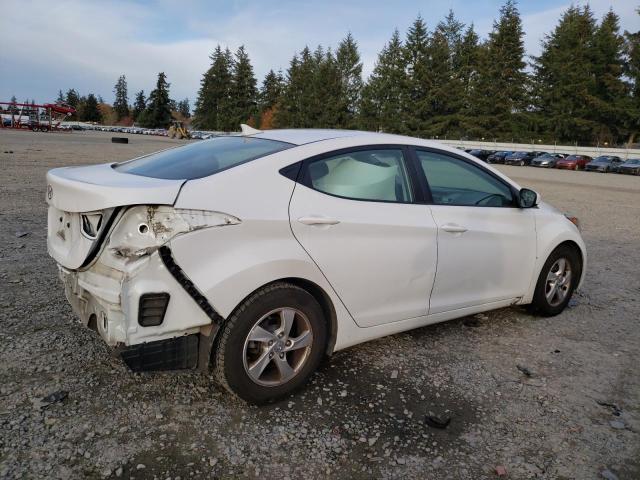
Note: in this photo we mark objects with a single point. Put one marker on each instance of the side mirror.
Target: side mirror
(527, 198)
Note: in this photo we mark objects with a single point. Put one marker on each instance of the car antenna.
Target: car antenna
(247, 130)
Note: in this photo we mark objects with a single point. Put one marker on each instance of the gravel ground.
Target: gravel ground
(577, 416)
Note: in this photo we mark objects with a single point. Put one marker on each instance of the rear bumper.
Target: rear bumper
(108, 296)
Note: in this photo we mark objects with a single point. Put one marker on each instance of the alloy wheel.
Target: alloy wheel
(558, 282)
(277, 347)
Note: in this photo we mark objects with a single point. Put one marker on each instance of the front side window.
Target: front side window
(201, 159)
(376, 175)
(455, 182)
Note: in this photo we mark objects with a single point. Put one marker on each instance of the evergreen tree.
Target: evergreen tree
(60, 98)
(243, 93)
(90, 110)
(466, 71)
(564, 84)
(13, 108)
(297, 98)
(139, 105)
(350, 69)
(184, 109)
(632, 70)
(383, 95)
(213, 106)
(612, 105)
(327, 109)
(271, 90)
(502, 82)
(449, 70)
(121, 103)
(417, 84)
(158, 111)
(73, 100)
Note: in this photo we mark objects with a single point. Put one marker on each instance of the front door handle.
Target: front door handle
(453, 228)
(313, 220)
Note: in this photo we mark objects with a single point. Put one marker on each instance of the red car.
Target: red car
(573, 162)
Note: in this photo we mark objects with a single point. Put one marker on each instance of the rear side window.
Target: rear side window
(455, 182)
(376, 175)
(201, 159)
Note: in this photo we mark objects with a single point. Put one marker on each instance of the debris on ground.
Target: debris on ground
(21, 234)
(501, 471)
(608, 474)
(617, 424)
(394, 374)
(525, 371)
(616, 410)
(54, 397)
(437, 422)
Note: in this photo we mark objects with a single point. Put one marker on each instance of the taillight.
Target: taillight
(143, 229)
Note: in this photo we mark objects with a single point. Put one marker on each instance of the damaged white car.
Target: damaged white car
(257, 255)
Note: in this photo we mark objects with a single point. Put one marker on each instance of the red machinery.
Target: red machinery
(34, 117)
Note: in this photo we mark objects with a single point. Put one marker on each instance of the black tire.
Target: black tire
(540, 304)
(228, 357)
(522, 163)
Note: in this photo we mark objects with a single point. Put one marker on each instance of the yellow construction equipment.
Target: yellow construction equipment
(178, 130)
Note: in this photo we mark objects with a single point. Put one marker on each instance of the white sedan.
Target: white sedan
(257, 255)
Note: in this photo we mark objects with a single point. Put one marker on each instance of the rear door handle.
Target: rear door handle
(453, 228)
(313, 220)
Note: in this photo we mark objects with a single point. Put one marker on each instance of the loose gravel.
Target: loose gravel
(576, 415)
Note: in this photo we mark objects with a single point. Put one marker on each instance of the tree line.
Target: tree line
(156, 111)
(432, 82)
(445, 81)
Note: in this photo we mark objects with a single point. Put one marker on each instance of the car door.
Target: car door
(486, 244)
(354, 212)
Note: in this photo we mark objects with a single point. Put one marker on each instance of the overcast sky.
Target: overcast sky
(51, 45)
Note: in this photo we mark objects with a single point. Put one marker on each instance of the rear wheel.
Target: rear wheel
(557, 281)
(522, 163)
(271, 344)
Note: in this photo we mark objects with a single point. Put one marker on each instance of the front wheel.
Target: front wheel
(557, 281)
(271, 344)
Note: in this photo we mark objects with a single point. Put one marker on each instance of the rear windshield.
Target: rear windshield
(201, 159)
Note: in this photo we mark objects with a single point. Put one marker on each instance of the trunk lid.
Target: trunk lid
(83, 203)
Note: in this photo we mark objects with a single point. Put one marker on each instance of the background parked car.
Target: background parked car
(481, 154)
(520, 158)
(604, 164)
(573, 162)
(630, 167)
(498, 157)
(547, 160)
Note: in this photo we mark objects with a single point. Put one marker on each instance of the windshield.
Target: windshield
(546, 156)
(519, 154)
(633, 161)
(201, 159)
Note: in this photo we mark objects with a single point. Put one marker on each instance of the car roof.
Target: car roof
(301, 136)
